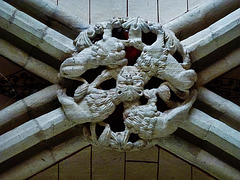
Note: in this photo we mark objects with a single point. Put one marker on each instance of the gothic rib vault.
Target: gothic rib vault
(217, 132)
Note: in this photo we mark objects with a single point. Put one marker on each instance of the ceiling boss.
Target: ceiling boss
(153, 84)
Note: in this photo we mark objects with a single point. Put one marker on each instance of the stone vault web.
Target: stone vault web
(219, 32)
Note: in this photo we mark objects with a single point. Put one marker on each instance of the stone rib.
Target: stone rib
(54, 12)
(52, 42)
(201, 17)
(29, 103)
(33, 132)
(38, 130)
(44, 159)
(214, 131)
(220, 67)
(213, 37)
(227, 109)
(35, 32)
(200, 158)
(27, 62)
(53, 123)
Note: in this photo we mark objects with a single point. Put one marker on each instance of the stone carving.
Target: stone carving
(151, 109)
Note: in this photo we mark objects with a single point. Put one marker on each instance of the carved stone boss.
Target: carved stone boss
(153, 90)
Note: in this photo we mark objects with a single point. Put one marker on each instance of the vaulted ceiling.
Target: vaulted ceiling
(38, 35)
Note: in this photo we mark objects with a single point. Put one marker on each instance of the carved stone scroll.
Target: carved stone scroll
(141, 89)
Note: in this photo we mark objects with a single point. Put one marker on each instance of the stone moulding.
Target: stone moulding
(152, 91)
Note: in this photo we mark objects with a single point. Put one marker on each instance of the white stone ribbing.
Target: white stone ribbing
(220, 67)
(35, 32)
(218, 103)
(33, 132)
(44, 159)
(213, 37)
(23, 140)
(200, 158)
(26, 104)
(201, 16)
(214, 131)
(27, 62)
(60, 46)
(53, 123)
(55, 12)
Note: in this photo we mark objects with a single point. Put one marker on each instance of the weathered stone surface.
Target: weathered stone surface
(196, 124)
(12, 142)
(77, 17)
(56, 44)
(13, 53)
(224, 171)
(213, 131)
(220, 67)
(103, 167)
(63, 16)
(34, 32)
(204, 154)
(220, 104)
(44, 159)
(77, 166)
(60, 12)
(199, 158)
(141, 170)
(155, 59)
(19, 108)
(32, 132)
(201, 17)
(147, 9)
(107, 9)
(27, 104)
(150, 155)
(171, 167)
(167, 14)
(53, 123)
(213, 37)
(197, 174)
(43, 70)
(51, 173)
(195, 3)
(29, 63)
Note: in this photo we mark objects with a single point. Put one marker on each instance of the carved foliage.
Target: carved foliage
(155, 92)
